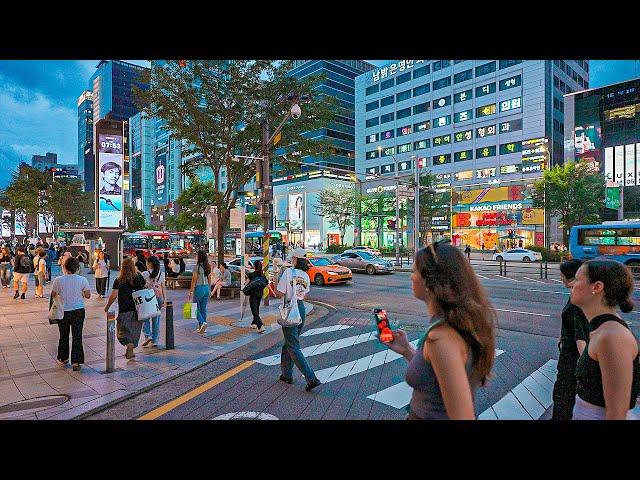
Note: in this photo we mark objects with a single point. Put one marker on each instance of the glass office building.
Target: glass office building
(85, 136)
(602, 127)
(339, 83)
(485, 128)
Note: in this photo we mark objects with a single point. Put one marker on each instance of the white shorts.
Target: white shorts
(21, 277)
(587, 411)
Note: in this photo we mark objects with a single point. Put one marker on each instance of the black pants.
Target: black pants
(254, 303)
(73, 320)
(101, 285)
(564, 390)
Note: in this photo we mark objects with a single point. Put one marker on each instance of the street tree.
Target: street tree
(218, 108)
(193, 201)
(135, 220)
(27, 192)
(338, 207)
(432, 203)
(68, 204)
(573, 192)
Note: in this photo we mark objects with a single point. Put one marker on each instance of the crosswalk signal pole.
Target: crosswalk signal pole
(265, 200)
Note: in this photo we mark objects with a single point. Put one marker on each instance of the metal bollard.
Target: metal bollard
(540, 269)
(169, 341)
(111, 342)
(546, 269)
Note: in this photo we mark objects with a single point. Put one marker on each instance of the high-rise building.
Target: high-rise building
(44, 162)
(142, 160)
(339, 82)
(112, 96)
(485, 128)
(85, 137)
(602, 126)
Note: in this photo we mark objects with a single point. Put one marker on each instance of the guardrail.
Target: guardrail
(506, 269)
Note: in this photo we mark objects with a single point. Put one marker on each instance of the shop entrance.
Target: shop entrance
(297, 238)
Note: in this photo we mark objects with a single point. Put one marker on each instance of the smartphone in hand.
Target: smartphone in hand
(382, 323)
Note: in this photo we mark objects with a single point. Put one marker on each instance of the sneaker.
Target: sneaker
(62, 362)
(254, 326)
(286, 379)
(76, 367)
(197, 330)
(312, 384)
(261, 329)
(129, 353)
(22, 297)
(203, 327)
(147, 343)
(153, 344)
(16, 295)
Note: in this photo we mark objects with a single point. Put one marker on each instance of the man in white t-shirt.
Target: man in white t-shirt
(297, 280)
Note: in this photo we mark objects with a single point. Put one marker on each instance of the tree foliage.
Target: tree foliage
(135, 220)
(34, 192)
(573, 192)
(193, 201)
(218, 108)
(338, 207)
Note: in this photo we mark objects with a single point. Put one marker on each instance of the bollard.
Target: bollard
(505, 268)
(501, 268)
(546, 269)
(540, 269)
(111, 342)
(169, 341)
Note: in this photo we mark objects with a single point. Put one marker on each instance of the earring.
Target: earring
(593, 293)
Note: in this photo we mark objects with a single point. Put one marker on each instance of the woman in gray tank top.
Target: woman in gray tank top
(456, 353)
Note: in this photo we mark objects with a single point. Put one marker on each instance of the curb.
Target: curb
(131, 395)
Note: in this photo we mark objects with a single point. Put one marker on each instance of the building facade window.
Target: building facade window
(442, 83)
(403, 96)
(404, 113)
(487, 89)
(486, 152)
(372, 122)
(386, 101)
(423, 107)
(442, 159)
(405, 77)
(462, 116)
(485, 69)
(511, 147)
(388, 117)
(372, 106)
(463, 96)
(511, 82)
(406, 130)
(422, 126)
(463, 155)
(373, 89)
(421, 72)
(463, 76)
(442, 121)
(463, 136)
(442, 102)
(508, 63)
(387, 84)
(422, 89)
(422, 144)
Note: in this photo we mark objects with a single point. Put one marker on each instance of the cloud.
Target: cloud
(34, 124)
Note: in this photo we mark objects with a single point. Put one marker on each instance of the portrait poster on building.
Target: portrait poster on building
(296, 211)
(110, 173)
(6, 223)
(45, 223)
(20, 223)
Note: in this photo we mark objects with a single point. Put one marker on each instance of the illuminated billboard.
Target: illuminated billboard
(161, 179)
(20, 223)
(296, 211)
(110, 173)
(45, 223)
(6, 223)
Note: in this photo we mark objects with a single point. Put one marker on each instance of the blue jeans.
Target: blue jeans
(201, 297)
(151, 326)
(291, 352)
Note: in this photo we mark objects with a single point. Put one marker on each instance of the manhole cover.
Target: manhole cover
(32, 405)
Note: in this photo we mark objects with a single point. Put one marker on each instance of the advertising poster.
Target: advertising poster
(296, 211)
(45, 223)
(110, 159)
(161, 179)
(20, 223)
(6, 223)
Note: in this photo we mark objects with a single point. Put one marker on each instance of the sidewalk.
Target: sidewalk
(34, 386)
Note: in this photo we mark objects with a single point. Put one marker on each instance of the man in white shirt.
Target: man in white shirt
(295, 281)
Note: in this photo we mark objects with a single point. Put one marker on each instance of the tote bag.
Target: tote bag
(289, 313)
(56, 311)
(146, 303)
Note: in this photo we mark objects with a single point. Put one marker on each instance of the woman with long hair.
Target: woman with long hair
(254, 289)
(101, 273)
(200, 288)
(456, 353)
(608, 370)
(128, 327)
(154, 279)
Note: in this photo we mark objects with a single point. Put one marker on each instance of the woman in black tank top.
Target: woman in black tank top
(608, 371)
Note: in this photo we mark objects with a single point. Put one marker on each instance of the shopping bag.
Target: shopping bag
(146, 303)
(194, 310)
(289, 313)
(186, 310)
(56, 311)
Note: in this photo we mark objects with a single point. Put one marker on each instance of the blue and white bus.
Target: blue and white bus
(614, 240)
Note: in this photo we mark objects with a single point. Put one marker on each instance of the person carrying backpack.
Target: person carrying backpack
(21, 271)
(154, 279)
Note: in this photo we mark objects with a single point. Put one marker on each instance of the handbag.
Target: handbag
(289, 313)
(56, 310)
(190, 310)
(146, 303)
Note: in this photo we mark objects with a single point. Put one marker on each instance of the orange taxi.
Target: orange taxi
(323, 272)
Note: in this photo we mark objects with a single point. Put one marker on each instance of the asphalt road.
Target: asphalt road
(361, 378)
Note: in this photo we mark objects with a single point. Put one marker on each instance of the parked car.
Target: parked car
(179, 252)
(364, 248)
(518, 255)
(234, 265)
(322, 271)
(363, 261)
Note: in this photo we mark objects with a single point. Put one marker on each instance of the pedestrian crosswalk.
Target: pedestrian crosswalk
(528, 400)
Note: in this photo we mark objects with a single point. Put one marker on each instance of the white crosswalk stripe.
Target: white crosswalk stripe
(323, 347)
(318, 331)
(399, 395)
(529, 399)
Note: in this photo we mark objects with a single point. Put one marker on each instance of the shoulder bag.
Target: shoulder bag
(289, 314)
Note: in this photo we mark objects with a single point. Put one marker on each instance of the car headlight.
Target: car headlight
(333, 273)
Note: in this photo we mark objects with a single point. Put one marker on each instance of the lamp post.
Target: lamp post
(416, 209)
(263, 175)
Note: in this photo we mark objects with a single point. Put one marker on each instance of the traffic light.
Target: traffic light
(391, 224)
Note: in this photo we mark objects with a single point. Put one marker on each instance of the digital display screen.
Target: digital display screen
(296, 211)
(110, 174)
(161, 181)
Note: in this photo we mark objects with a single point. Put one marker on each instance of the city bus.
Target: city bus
(612, 240)
(149, 242)
(189, 240)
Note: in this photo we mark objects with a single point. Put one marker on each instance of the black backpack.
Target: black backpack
(26, 264)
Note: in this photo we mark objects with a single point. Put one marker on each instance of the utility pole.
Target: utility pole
(263, 181)
(416, 216)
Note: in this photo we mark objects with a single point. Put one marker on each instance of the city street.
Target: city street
(362, 378)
